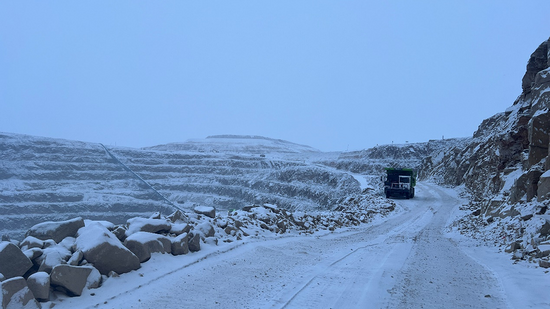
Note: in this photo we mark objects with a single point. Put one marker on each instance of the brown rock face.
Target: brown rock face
(537, 62)
(539, 128)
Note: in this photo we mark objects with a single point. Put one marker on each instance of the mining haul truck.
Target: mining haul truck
(399, 182)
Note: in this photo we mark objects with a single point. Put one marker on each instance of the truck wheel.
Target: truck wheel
(387, 195)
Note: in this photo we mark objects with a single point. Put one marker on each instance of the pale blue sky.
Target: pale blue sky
(334, 75)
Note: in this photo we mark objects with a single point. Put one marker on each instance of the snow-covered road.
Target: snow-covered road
(405, 261)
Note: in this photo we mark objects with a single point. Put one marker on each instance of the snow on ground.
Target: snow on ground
(406, 260)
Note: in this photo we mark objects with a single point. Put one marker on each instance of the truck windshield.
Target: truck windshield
(404, 179)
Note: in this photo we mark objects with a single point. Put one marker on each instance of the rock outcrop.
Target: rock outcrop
(508, 154)
(505, 167)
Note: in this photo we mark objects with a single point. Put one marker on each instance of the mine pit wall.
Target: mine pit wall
(507, 159)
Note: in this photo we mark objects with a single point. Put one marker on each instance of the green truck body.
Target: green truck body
(400, 182)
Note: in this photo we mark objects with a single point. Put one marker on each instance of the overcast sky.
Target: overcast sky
(334, 75)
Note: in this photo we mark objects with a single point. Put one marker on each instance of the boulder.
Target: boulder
(53, 256)
(194, 242)
(13, 262)
(74, 279)
(76, 258)
(49, 243)
(205, 229)
(180, 244)
(147, 225)
(180, 228)
(120, 233)
(31, 242)
(544, 230)
(142, 244)
(14, 293)
(176, 216)
(101, 248)
(39, 284)
(513, 247)
(543, 188)
(56, 230)
(33, 253)
(205, 210)
(544, 249)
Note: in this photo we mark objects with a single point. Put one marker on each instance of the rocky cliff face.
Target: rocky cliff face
(372, 161)
(505, 167)
(508, 154)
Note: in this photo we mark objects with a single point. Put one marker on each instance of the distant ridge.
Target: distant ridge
(228, 143)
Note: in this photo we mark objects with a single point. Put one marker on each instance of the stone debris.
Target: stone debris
(83, 258)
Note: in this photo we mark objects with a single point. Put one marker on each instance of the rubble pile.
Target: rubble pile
(73, 255)
(525, 235)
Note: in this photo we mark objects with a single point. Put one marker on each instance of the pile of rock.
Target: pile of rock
(73, 255)
(526, 236)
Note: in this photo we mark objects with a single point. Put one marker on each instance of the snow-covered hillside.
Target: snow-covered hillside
(53, 179)
(244, 144)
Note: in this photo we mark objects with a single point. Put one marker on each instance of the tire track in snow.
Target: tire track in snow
(362, 271)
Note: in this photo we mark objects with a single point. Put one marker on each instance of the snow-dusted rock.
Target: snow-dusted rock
(176, 216)
(142, 244)
(208, 211)
(120, 233)
(76, 258)
(33, 253)
(545, 228)
(194, 242)
(180, 228)
(13, 262)
(74, 278)
(147, 225)
(56, 230)
(31, 242)
(53, 256)
(180, 244)
(39, 284)
(544, 249)
(104, 250)
(543, 191)
(14, 293)
(49, 243)
(205, 229)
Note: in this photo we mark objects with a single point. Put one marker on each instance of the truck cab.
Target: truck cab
(399, 182)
